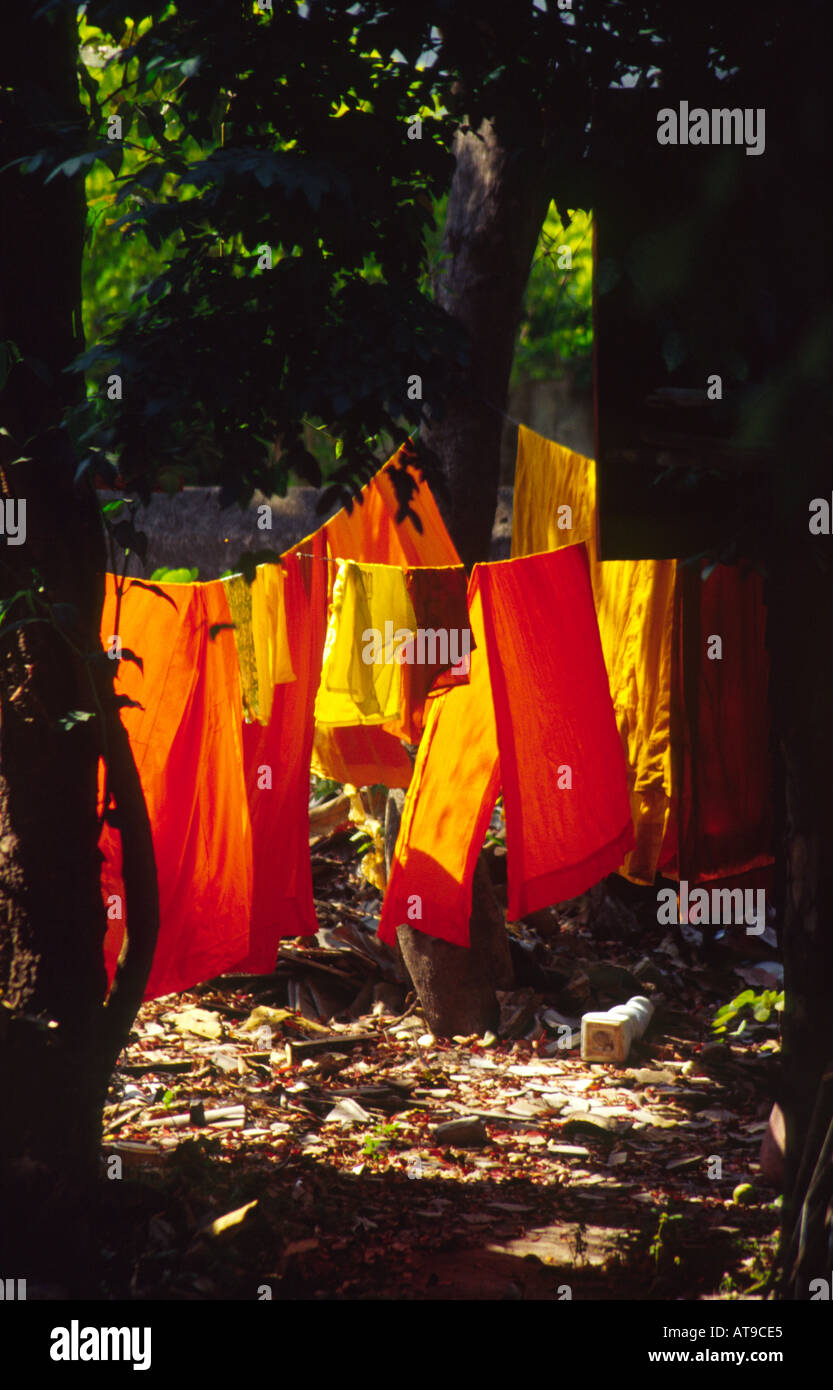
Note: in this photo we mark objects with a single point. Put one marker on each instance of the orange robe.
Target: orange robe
(536, 718)
(724, 764)
(186, 741)
(277, 766)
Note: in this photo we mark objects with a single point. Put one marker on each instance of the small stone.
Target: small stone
(596, 1126)
(466, 1133)
(426, 1040)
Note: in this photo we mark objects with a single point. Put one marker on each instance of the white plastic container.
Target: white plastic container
(607, 1037)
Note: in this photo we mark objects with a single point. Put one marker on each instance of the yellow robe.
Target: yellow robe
(361, 681)
(258, 611)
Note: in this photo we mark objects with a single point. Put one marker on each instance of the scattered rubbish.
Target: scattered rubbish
(348, 1112)
(160, 1064)
(236, 1114)
(677, 1165)
(607, 1037)
(226, 1058)
(198, 1021)
(331, 1042)
(227, 1222)
(385, 1101)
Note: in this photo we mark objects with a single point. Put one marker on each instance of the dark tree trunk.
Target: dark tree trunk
(802, 664)
(456, 985)
(497, 205)
(496, 208)
(57, 1041)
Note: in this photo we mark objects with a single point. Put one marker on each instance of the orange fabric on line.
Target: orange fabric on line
(725, 768)
(371, 534)
(555, 506)
(187, 745)
(538, 692)
(440, 604)
(554, 714)
(277, 764)
(361, 756)
(453, 790)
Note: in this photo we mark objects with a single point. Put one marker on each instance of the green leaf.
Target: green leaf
(9, 354)
(746, 997)
(6, 603)
(178, 575)
(75, 716)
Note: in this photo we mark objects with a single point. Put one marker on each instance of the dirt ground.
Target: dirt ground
(275, 1136)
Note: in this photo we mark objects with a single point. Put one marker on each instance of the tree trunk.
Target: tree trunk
(802, 665)
(498, 201)
(456, 984)
(57, 1041)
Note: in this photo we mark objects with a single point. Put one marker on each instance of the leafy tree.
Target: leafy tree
(556, 327)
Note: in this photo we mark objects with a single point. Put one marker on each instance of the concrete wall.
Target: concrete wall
(191, 529)
(558, 410)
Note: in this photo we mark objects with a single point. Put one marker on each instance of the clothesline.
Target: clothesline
(224, 793)
(505, 413)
